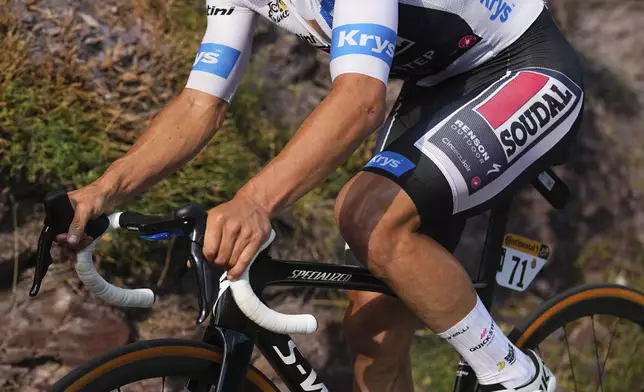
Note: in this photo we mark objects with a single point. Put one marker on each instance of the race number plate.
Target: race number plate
(521, 261)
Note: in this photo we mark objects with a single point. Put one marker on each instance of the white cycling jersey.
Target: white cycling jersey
(427, 39)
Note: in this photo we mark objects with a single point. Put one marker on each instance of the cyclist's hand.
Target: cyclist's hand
(234, 233)
(89, 203)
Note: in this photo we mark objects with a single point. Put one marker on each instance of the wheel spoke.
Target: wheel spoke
(572, 368)
(610, 345)
(599, 370)
(630, 359)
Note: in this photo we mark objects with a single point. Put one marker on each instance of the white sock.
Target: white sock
(494, 359)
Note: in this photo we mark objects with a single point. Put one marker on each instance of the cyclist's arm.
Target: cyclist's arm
(354, 108)
(184, 127)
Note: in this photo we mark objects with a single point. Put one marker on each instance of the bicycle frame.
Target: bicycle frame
(237, 335)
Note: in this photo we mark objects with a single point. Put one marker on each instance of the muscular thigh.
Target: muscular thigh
(460, 147)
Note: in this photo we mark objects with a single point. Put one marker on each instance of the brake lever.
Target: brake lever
(59, 214)
(202, 270)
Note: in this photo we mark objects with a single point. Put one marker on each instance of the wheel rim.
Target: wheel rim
(591, 338)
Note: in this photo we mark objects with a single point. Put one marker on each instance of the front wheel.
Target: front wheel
(162, 365)
(590, 337)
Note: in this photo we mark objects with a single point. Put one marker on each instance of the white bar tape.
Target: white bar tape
(261, 314)
(94, 282)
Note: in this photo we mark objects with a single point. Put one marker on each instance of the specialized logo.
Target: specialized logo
(308, 384)
(496, 168)
(525, 108)
(214, 11)
(487, 338)
(499, 8)
(392, 162)
(364, 38)
(277, 11)
(318, 275)
(216, 59)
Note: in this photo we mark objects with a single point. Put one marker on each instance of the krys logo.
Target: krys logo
(499, 8)
(216, 59)
(364, 38)
(392, 162)
(527, 107)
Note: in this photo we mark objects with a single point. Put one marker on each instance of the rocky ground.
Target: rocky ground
(598, 237)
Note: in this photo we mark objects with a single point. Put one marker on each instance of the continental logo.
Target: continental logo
(534, 248)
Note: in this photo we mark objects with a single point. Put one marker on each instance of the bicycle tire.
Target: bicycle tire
(155, 359)
(578, 302)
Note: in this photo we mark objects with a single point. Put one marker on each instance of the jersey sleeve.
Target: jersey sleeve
(224, 51)
(364, 37)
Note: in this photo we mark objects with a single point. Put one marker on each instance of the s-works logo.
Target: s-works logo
(216, 59)
(364, 38)
(499, 8)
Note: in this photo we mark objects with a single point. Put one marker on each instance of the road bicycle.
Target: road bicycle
(240, 320)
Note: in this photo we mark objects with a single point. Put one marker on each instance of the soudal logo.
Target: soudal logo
(213, 11)
(525, 107)
(364, 38)
(499, 9)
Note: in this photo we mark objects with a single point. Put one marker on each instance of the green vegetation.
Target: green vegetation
(58, 129)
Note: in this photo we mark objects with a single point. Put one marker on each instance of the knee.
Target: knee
(375, 218)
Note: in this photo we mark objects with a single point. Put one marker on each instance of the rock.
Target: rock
(61, 327)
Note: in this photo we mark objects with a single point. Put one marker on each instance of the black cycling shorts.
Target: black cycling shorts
(460, 146)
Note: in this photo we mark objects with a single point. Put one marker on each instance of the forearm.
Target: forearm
(326, 139)
(175, 136)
